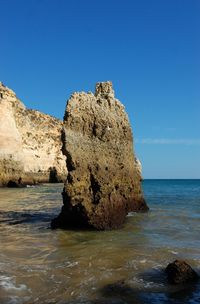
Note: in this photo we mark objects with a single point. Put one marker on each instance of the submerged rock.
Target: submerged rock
(30, 144)
(180, 272)
(103, 182)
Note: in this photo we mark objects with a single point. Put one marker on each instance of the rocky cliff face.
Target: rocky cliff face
(30, 143)
(104, 181)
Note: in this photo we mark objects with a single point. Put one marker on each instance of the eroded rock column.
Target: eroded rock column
(102, 184)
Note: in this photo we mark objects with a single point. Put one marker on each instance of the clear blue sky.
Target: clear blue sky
(150, 49)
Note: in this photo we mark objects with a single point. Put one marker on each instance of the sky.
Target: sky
(149, 49)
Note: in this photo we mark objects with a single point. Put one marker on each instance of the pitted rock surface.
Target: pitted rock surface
(103, 182)
(30, 143)
(179, 272)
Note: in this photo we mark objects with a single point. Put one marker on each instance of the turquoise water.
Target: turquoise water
(38, 265)
(175, 206)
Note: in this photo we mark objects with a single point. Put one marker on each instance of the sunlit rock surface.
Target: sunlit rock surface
(104, 181)
(30, 143)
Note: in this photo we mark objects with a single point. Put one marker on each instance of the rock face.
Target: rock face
(103, 182)
(138, 168)
(180, 272)
(30, 143)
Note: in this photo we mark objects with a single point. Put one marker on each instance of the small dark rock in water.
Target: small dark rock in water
(180, 272)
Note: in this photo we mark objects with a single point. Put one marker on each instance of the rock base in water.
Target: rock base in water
(180, 272)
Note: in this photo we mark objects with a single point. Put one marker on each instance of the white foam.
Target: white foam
(174, 252)
(143, 261)
(72, 264)
(131, 214)
(8, 284)
(17, 300)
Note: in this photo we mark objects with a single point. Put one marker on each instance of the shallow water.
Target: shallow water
(38, 265)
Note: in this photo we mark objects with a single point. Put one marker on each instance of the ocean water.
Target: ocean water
(38, 265)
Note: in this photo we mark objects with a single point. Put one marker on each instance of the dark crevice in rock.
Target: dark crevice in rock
(15, 184)
(94, 129)
(69, 162)
(69, 178)
(53, 175)
(62, 136)
(71, 217)
(12, 184)
(95, 188)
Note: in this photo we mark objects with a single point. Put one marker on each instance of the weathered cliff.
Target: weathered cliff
(30, 143)
(104, 181)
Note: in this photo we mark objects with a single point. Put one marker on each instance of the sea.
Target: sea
(126, 266)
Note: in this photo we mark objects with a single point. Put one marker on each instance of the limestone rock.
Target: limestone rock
(103, 184)
(30, 143)
(180, 272)
(138, 168)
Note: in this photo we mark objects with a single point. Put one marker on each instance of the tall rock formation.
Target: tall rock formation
(103, 182)
(30, 143)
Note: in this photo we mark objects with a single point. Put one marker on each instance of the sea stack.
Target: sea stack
(103, 181)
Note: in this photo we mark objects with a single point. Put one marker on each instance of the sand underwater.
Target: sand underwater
(40, 265)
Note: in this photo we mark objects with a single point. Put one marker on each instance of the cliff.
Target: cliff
(104, 178)
(30, 143)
